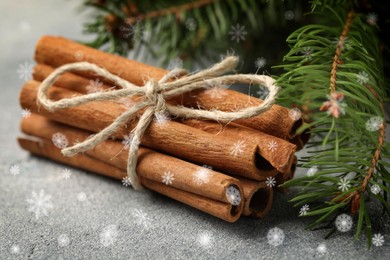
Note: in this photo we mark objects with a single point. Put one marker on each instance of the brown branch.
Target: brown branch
(172, 10)
(339, 48)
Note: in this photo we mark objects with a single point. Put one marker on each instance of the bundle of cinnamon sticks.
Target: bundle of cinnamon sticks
(226, 170)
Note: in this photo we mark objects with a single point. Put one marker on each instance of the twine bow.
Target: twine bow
(155, 93)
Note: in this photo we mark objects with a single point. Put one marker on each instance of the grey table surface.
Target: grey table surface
(93, 217)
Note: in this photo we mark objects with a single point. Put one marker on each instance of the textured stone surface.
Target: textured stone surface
(93, 217)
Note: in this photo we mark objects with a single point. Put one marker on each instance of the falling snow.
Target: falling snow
(289, 15)
(63, 240)
(303, 211)
(321, 249)
(142, 218)
(168, 178)
(126, 181)
(26, 113)
(344, 184)
(237, 32)
(378, 240)
(216, 92)
(202, 176)
(25, 71)
(307, 52)
(260, 62)
(176, 63)
(343, 222)
(374, 123)
(362, 77)
(237, 148)
(263, 92)
(295, 113)
(205, 240)
(375, 189)
(275, 236)
(14, 170)
(233, 195)
(60, 140)
(65, 174)
(272, 146)
(81, 196)
(161, 118)
(40, 203)
(108, 235)
(270, 182)
(191, 24)
(313, 170)
(94, 86)
(335, 105)
(127, 141)
(372, 19)
(15, 249)
(79, 55)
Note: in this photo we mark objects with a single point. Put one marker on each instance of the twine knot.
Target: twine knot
(174, 83)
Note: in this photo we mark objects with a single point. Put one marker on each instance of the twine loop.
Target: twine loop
(155, 94)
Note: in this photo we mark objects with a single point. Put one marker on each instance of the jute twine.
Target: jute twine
(155, 93)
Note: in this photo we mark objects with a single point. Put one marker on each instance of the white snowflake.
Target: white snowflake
(128, 142)
(345, 44)
(63, 240)
(126, 181)
(26, 113)
(15, 249)
(25, 71)
(275, 236)
(176, 63)
(237, 148)
(94, 86)
(79, 55)
(132, 29)
(303, 211)
(263, 92)
(313, 170)
(238, 33)
(295, 113)
(375, 189)
(191, 24)
(142, 218)
(344, 184)
(378, 240)
(127, 102)
(321, 249)
(372, 19)
(81, 196)
(202, 176)
(374, 123)
(205, 239)
(60, 140)
(233, 195)
(65, 174)
(217, 92)
(40, 203)
(260, 62)
(307, 52)
(108, 235)
(289, 15)
(24, 26)
(343, 222)
(14, 170)
(168, 178)
(161, 118)
(272, 146)
(362, 77)
(271, 182)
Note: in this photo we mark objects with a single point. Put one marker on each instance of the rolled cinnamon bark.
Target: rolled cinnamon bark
(258, 198)
(274, 152)
(57, 51)
(151, 165)
(172, 137)
(218, 209)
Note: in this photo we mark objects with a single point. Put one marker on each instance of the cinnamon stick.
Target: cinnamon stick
(57, 51)
(151, 165)
(275, 152)
(173, 138)
(218, 209)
